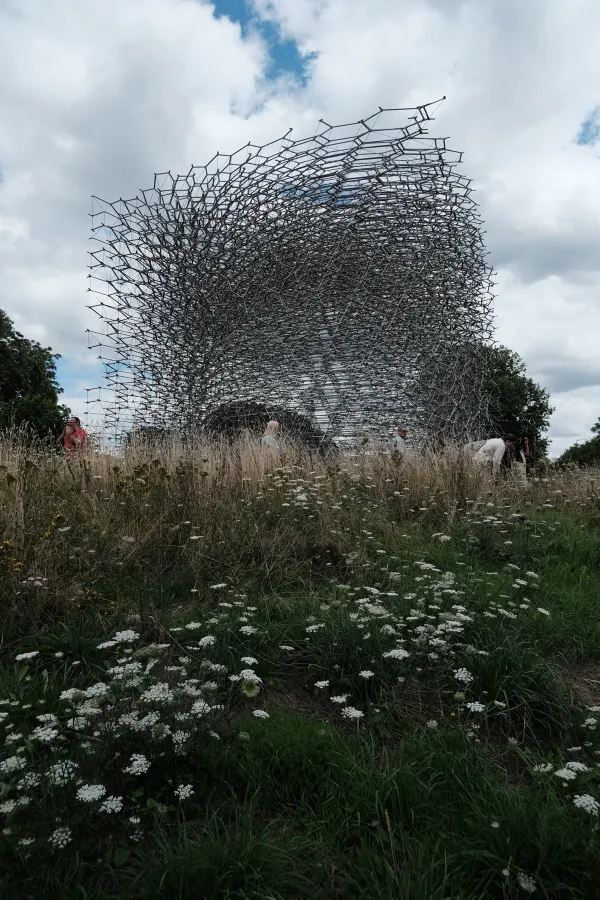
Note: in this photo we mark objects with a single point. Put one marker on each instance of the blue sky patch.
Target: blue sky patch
(285, 56)
(589, 132)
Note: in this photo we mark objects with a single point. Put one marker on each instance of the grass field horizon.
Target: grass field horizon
(226, 675)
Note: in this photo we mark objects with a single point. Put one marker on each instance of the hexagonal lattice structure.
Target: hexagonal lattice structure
(342, 276)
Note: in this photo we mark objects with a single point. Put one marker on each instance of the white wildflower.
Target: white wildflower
(30, 655)
(463, 675)
(396, 653)
(544, 768)
(90, 792)
(184, 791)
(112, 804)
(340, 698)
(249, 661)
(526, 883)
(157, 693)
(565, 774)
(366, 673)
(125, 637)
(577, 767)
(8, 806)
(209, 640)
(138, 764)
(201, 708)
(260, 714)
(587, 803)
(475, 706)
(322, 684)
(217, 587)
(349, 712)
(60, 838)
(12, 764)
(248, 629)
(544, 612)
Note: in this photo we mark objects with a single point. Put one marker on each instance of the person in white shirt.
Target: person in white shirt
(399, 442)
(269, 438)
(491, 451)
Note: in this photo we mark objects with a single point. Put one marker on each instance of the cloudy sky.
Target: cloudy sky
(97, 95)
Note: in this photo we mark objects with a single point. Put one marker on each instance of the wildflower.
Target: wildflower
(207, 641)
(260, 714)
(587, 803)
(312, 628)
(62, 772)
(590, 722)
(495, 824)
(543, 768)
(565, 774)
(349, 712)
(248, 629)
(184, 791)
(396, 653)
(544, 612)
(106, 645)
(285, 647)
(249, 661)
(526, 883)
(340, 698)
(577, 767)
(475, 707)
(60, 838)
(322, 684)
(44, 734)
(463, 675)
(125, 637)
(90, 792)
(157, 693)
(217, 587)
(26, 842)
(432, 724)
(366, 673)
(12, 764)
(30, 780)
(138, 764)
(112, 805)
(8, 806)
(201, 708)
(30, 655)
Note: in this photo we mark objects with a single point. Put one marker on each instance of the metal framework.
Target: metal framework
(342, 276)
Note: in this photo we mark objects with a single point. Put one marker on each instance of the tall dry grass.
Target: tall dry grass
(195, 512)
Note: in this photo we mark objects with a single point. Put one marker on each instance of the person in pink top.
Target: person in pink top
(74, 436)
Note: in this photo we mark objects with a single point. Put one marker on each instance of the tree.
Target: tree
(584, 454)
(28, 387)
(517, 403)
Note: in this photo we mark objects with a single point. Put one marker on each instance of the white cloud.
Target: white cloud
(97, 96)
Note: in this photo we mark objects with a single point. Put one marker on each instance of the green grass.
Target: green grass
(425, 782)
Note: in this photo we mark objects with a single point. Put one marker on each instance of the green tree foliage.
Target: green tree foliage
(28, 387)
(517, 403)
(585, 454)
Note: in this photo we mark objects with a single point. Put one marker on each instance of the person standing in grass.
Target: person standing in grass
(73, 437)
(490, 453)
(269, 438)
(399, 448)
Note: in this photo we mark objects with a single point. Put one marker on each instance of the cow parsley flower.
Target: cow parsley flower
(90, 792)
(587, 803)
(209, 640)
(543, 768)
(322, 684)
(349, 712)
(366, 673)
(260, 714)
(125, 637)
(184, 791)
(396, 653)
(526, 883)
(112, 805)
(8, 806)
(475, 706)
(138, 764)
(201, 708)
(60, 838)
(339, 698)
(22, 656)
(62, 772)
(44, 733)
(577, 767)
(12, 764)
(463, 675)
(248, 629)
(157, 693)
(565, 774)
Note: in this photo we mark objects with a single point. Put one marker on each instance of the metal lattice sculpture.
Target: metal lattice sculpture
(342, 276)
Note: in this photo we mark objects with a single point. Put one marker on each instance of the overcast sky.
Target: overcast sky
(97, 95)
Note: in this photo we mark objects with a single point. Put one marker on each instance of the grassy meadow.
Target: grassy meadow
(224, 675)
